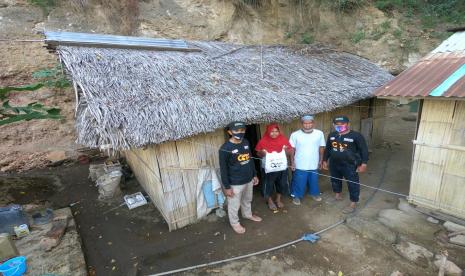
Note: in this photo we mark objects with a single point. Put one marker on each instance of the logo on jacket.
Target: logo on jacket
(243, 157)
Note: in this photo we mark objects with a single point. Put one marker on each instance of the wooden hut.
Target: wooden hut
(438, 81)
(166, 108)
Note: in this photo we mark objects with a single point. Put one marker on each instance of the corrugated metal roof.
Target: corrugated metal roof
(114, 41)
(440, 73)
(455, 43)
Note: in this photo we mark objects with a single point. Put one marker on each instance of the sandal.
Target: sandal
(255, 218)
(280, 204)
(272, 206)
(238, 228)
(348, 210)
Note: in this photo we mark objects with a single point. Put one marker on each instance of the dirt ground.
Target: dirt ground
(137, 242)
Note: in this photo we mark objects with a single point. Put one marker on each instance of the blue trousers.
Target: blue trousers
(301, 179)
(347, 171)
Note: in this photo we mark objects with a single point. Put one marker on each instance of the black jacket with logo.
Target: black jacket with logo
(349, 148)
(236, 164)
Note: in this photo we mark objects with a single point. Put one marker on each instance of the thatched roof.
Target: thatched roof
(131, 98)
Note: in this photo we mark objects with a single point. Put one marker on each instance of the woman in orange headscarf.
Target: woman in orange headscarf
(274, 141)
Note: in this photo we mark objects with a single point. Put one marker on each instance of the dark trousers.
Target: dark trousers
(348, 171)
(275, 182)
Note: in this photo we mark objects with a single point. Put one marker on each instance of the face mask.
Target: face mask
(340, 129)
(238, 136)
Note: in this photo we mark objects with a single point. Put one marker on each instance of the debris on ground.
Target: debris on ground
(447, 267)
(397, 273)
(65, 258)
(53, 237)
(414, 253)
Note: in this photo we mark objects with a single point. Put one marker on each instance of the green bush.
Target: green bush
(307, 38)
(358, 36)
(430, 11)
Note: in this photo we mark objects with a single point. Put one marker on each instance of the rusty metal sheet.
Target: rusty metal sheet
(420, 79)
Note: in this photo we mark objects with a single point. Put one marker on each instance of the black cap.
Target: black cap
(236, 125)
(341, 119)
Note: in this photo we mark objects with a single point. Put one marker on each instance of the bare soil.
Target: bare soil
(118, 241)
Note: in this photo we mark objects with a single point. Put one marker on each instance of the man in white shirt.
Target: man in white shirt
(309, 145)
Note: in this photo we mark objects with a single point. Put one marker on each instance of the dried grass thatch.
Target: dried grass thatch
(131, 98)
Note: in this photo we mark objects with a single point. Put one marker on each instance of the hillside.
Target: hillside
(391, 33)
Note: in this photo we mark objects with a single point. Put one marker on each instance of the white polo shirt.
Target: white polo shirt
(307, 148)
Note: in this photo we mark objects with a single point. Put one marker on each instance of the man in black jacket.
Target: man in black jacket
(238, 175)
(347, 153)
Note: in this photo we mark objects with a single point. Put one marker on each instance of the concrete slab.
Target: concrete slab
(65, 259)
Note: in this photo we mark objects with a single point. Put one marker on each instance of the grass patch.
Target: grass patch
(307, 38)
(358, 36)
(397, 33)
(45, 5)
(346, 6)
(380, 30)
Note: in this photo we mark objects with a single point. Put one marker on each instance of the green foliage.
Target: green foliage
(51, 78)
(430, 11)
(33, 111)
(397, 33)
(346, 5)
(307, 38)
(45, 5)
(382, 29)
(358, 36)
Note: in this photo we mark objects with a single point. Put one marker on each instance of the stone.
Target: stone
(56, 156)
(53, 237)
(453, 227)
(460, 240)
(372, 229)
(413, 226)
(432, 220)
(397, 273)
(405, 207)
(450, 268)
(414, 253)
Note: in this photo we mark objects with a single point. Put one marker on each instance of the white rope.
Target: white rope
(247, 255)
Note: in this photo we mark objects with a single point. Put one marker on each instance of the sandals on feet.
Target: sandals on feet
(272, 206)
(255, 218)
(238, 228)
(348, 210)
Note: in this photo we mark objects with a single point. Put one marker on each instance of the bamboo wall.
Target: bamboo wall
(438, 171)
(169, 172)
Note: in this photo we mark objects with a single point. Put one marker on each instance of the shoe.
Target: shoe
(255, 218)
(238, 228)
(317, 198)
(296, 201)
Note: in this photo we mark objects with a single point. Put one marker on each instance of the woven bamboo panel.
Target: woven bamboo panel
(438, 175)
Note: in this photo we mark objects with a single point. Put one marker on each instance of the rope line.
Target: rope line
(247, 255)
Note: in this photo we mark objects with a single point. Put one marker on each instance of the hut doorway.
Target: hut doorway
(252, 135)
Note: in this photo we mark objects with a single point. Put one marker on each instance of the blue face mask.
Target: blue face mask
(238, 136)
(341, 128)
